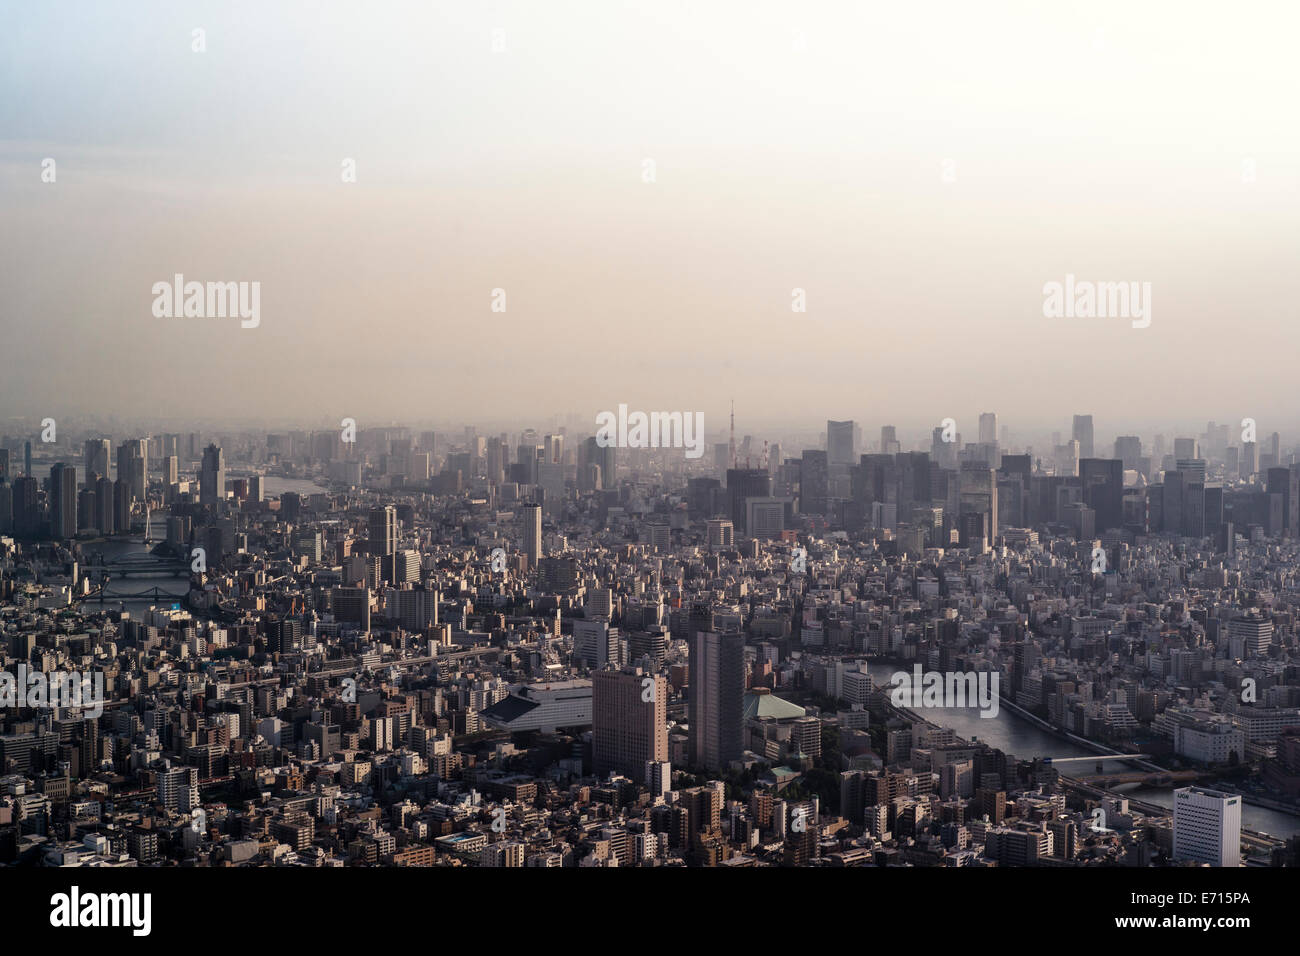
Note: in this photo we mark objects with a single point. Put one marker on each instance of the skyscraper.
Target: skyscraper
(383, 530)
(212, 477)
(979, 495)
(133, 466)
(1082, 433)
(629, 725)
(839, 443)
(1128, 449)
(63, 501)
(988, 428)
(532, 521)
(717, 694)
(742, 484)
(26, 518)
(1103, 490)
(105, 513)
(97, 450)
(814, 483)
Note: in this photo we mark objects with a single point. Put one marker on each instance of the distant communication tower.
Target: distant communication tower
(731, 448)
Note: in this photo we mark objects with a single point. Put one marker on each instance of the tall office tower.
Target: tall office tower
(1285, 481)
(988, 428)
(6, 506)
(212, 476)
(1066, 459)
(97, 451)
(171, 472)
(1015, 479)
(554, 449)
(629, 721)
(550, 479)
(1207, 826)
(27, 518)
(889, 440)
(532, 521)
(383, 530)
(742, 484)
(1128, 449)
(27, 459)
(607, 458)
(525, 471)
(256, 489)
(1082, 433)
(774, 458)
(944, 453)
(1186, 448)
(721, 534)
(839, 443)
(4, 463)
(496, 460)
(1103, 490)
(105, 513)
(979, 495)
(133, 465)
(1248, 459)
(178, 789)
(717, 699)
(1172, 502)
(1275, 448)
(1193, 507)
(814, 483)
(63, 501)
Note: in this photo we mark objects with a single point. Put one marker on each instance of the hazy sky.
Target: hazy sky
(795, 145)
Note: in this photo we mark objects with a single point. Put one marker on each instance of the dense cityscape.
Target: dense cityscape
(580, 646)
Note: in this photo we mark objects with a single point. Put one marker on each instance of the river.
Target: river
(173, 589)
(1015, 736)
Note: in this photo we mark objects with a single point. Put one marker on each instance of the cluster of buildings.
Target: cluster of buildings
(527, 649)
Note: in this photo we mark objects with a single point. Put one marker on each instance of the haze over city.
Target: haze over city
(919, 172)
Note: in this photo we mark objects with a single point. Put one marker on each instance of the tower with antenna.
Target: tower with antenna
(731, 447)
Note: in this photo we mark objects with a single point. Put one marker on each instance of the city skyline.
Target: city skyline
(439, 436)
